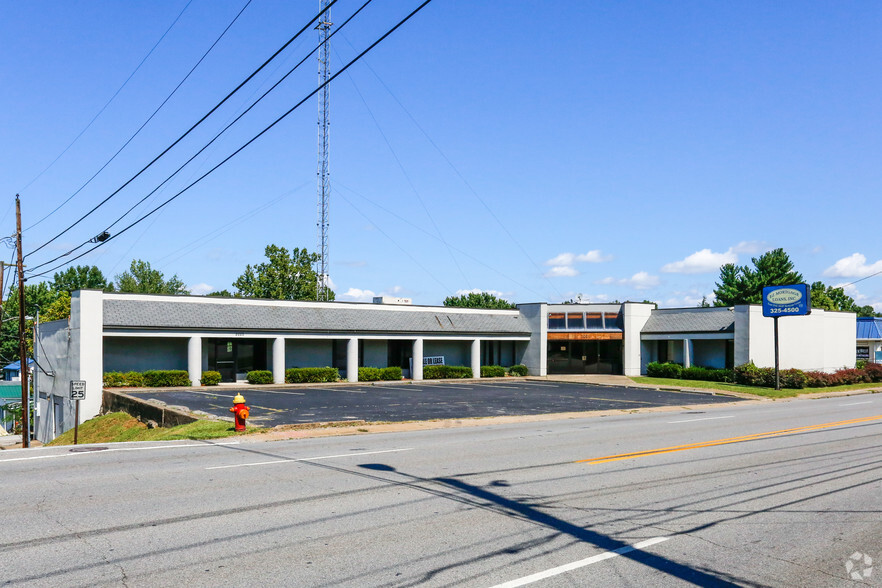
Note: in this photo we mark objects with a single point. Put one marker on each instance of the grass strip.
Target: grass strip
(755, 390)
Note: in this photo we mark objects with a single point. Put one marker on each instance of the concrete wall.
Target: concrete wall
(454, 352)
(139, 354)
(535, 354)
(635, 315)
(55, 410)
(376, 352)
(822, 341)
(309, 353)
(709, 353)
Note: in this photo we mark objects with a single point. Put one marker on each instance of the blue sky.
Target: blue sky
(537, 150)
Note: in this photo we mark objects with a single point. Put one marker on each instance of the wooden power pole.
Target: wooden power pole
(22, 340)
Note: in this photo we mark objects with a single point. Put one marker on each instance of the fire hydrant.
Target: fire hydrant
(240, 411)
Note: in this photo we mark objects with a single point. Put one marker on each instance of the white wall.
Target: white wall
(821, 341)
(635, 316)
(535, 353)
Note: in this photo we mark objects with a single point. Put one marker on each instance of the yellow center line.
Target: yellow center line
(755, 436)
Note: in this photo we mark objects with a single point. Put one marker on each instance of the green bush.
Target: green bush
(311, 375)
(135, 379)
(166, 378)
(210, 378)
(492, 371)
(707, 374)
(439, 372)
(518, 370)
(114, 379)
(792, 378)
(390, 373)
(664, 370)
(260, 377)
(860, 364)
(368, 374)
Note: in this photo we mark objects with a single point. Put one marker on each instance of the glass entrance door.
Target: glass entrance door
(225, 360)
(585, 357)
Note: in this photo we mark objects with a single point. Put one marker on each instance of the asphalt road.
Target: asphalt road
(772, 494)
(402, 402)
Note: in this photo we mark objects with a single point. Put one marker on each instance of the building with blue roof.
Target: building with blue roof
(869, 339)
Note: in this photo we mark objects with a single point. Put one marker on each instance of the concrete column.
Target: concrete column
(687, 353)
(194, 359)
(476, 358)
(352, 360)
(417, 360)
(279, 360)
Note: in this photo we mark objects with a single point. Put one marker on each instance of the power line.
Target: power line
(144, 124)
(249, 142)
(179, 139)
(115, 94)
(195, 155)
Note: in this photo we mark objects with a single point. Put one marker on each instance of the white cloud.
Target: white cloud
(561, 271)
(357, 295)
(593, 256)
(200, 289)
(750, 247)
(853, 266)
(700, 262)
(639, 281)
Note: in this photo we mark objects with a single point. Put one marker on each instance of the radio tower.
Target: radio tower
(324, 181)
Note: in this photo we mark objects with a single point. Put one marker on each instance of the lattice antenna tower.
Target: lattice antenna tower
(324, 180)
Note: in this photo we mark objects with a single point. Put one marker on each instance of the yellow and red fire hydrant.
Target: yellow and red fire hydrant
(240, 411)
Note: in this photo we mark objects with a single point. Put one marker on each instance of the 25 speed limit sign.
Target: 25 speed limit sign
(77, 389)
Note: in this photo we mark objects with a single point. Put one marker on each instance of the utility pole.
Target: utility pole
(3, 265)
(324, 181)
(22, 340)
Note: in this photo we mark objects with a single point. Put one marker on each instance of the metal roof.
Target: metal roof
(869, 327)
(691, 320)
(164, 313)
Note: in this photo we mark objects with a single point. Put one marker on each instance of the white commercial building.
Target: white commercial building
(135, 332)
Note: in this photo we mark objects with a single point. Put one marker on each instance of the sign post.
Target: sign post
(781, 301)
(77, 393)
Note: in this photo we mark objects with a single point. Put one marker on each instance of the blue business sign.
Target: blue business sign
(787, 300)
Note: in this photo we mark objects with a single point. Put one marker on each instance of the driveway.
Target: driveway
(423, 401)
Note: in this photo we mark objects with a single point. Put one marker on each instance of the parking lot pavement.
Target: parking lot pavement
(423, 401)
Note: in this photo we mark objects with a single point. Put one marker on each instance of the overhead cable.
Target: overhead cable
(179, 139)
(206, 146)
(249, 142)
(144, 124)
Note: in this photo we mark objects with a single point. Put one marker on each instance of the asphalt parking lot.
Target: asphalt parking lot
(424, 401)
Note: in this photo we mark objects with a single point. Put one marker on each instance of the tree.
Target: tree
(142, 279)
(57, 310)
(744, 285)
(37, 297)
(478, 300)
(830, 298)
(285, 277)
(221, 293)
(79, 278)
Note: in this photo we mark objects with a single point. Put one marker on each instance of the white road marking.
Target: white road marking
(258, 463)
(449, 387)
(117, 449)
(501, 386)
(280, 392)
(856, 403)
(579, 564)
(702, 419)
(539, 384)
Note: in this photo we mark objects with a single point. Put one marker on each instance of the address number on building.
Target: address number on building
(78, 389)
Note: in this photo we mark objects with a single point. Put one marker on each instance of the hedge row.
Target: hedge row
(750, 375)
(259, 377)
(311, 375)
(439, 372)
(148, 379)
(492, 371)
(518, 370)
(372, 374)
(210, 378)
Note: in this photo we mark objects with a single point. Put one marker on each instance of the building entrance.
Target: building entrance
(585, 357)
(234, 358)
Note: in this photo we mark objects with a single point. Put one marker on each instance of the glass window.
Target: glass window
(595, 320)
(575, 320)
(556, 320)
(611, 319)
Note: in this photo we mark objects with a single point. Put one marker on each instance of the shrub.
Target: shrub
(792, 378)
(518, 370)
(311, 375)
(664, 370)
(210, 378)
(114, 379)
(874, 372)
(390, 373)
(135, 379)
(860, 364)
(750, 375)
(260, 377)
(492, 371)
(368, 374)
(437, 372)
(166, 378)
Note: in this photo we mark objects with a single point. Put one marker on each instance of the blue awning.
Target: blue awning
(869, 327)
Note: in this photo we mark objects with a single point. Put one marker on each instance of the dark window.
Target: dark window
(575, 320)
(595, 320)
(611, 320)
(556, 320)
